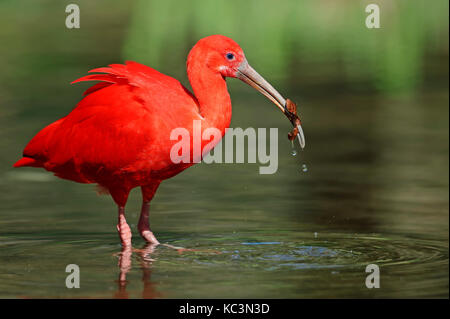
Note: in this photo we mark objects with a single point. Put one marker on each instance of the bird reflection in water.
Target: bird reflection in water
(149, 289)
(144, 255)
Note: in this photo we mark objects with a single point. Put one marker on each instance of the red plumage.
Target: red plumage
(118, 135)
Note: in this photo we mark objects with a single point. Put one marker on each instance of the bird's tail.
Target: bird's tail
(27, 161)
(34, 154)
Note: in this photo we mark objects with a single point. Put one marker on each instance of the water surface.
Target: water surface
(375, 190)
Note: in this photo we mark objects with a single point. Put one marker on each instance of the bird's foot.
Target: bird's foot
(147, 234)
(181, 250)
(124, 234)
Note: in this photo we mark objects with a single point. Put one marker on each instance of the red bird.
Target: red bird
(118, 136)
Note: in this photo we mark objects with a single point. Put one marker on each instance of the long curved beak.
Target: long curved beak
(248, 75)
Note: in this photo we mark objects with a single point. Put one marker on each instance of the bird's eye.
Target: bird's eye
(230, 56)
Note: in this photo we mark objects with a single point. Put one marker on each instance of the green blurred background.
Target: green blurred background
(374, 104)
(306, 44)
(301, 42)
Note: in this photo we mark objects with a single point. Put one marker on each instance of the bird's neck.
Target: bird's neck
(211, 92)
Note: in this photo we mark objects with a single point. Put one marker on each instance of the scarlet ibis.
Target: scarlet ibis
(118, 134)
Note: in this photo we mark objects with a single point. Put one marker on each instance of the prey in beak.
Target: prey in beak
(248, 75)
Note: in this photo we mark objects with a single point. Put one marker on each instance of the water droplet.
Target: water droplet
(304, 168)
(294, 152)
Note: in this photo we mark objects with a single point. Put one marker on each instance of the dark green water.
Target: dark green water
(376, 192)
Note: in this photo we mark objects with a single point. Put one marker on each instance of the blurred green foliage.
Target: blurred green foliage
(317, 40)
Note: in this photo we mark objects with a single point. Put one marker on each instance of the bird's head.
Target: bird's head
(220, 54)
(224, 56)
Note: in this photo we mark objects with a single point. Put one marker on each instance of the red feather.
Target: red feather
(111, 132)
(118, 135)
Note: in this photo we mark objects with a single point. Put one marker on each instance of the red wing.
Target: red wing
(140, 76)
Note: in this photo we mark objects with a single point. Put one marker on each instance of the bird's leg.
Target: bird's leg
(123, 228)
(144, 226)
(120, 196)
